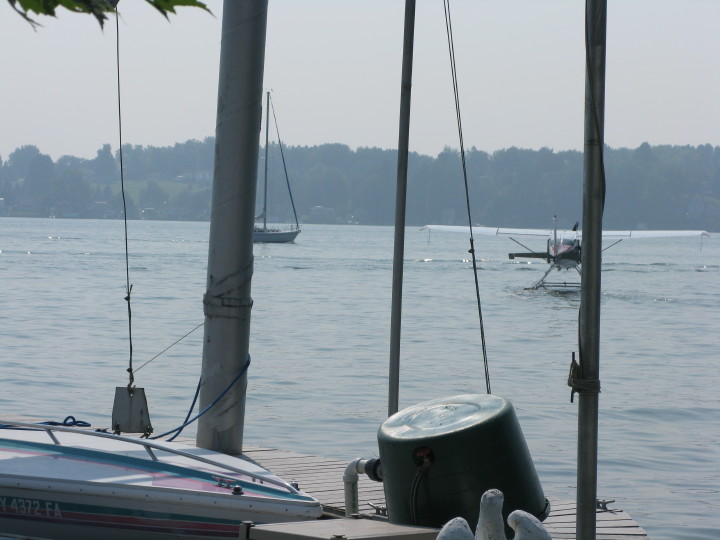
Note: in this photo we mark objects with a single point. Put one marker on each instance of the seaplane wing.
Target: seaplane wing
(548, 233)
(626, 235)
(490, 231)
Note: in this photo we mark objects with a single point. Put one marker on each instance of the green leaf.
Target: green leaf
(97, 8)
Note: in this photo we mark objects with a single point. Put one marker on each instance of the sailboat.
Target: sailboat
(265, 234)
(69, 482)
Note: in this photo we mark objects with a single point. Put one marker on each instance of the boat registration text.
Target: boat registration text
(30, 507)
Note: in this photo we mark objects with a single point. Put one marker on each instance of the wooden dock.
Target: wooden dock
(323, 479)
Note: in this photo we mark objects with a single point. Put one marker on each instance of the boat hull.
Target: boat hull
(80, 486)
(274, 236)
(49, 510)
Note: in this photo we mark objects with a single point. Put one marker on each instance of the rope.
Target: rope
(128, 286)
(192, 407)
(453, 68)
(206, 409)
(69, 421)
(578, 384)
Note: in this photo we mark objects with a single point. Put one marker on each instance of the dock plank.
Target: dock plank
(323, 478)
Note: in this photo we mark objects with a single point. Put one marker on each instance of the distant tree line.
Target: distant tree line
(654, 187)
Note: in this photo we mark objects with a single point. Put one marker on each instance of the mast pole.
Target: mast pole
(589, 324)
(267, 144)
(400, 203)
(227, 302)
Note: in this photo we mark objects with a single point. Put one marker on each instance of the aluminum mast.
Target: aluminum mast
(227, 302)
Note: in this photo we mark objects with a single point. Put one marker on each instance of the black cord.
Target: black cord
(413, 495)
(415, 486)
(128, 286)
(453, 68)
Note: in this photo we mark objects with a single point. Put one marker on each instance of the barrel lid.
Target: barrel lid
(444, 415)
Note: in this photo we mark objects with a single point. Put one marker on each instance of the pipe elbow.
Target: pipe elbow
(353, 468)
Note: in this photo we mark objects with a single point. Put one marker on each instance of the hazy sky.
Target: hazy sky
(334, 68)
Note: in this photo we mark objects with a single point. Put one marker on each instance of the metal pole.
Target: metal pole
(589, 329)
(267, 146)
(227, 302)
(400, 199)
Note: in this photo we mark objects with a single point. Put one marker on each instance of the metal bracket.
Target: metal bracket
(130, 411)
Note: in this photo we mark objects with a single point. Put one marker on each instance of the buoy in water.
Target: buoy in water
(440, 456)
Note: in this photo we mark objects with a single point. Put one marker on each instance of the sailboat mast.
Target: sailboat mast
(589, 323)
(227, 302)
(400, 203)
(267, 144)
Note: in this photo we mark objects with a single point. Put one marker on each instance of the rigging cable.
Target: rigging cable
(170, 346)
(453, 68)
(282, 155)
(128, 286)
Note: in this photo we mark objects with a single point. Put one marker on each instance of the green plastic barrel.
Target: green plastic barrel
(440, 456)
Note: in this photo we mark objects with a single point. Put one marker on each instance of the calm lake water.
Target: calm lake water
(320, 342)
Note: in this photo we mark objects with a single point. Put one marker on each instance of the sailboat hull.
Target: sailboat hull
(271, 236)
(106, 487)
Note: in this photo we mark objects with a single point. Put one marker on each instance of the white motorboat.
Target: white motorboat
(65, 482)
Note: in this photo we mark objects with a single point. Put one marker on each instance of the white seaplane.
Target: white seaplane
(563, 247)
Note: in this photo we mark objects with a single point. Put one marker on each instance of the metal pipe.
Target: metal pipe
(350, 481)
(227, 302)
(372, 468)
(589, 324)
(400, 200)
